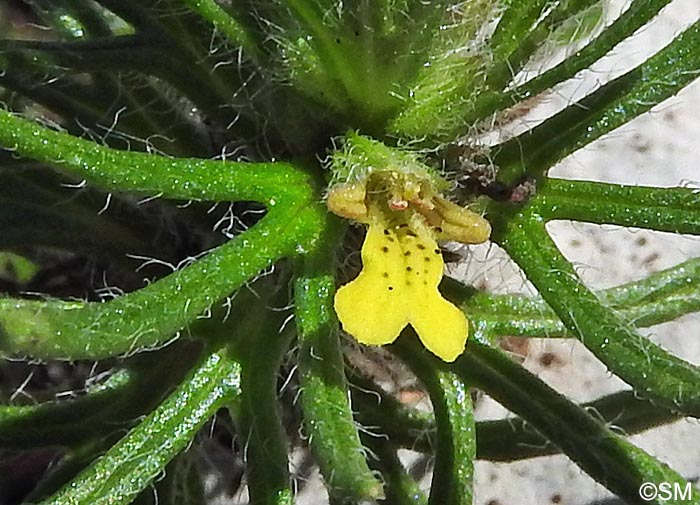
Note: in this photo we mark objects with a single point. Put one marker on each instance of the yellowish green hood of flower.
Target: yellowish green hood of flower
(401, 263)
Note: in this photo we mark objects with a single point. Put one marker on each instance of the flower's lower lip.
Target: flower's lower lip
(398, 286)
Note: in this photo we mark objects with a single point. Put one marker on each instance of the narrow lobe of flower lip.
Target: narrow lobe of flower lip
(397, 286)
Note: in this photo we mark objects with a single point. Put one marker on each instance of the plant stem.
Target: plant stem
(661, 297)
(675, 210)
(224, 22)
(401, 488)
(636, 16)
(508, 439)
(131, 392)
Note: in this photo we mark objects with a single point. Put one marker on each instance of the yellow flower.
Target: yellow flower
(401, 263)
(398, 286)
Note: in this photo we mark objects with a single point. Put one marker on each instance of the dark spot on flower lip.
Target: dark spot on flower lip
(385, 275)
(420, 246)
(411, 234)
(407, 253)
(391, 288)
(438, 229)
(390, 239)
(386, 232)
(408, 269)
(437, 251)
(426, 259)
(408, 283)
(403, 225)
(385, 249)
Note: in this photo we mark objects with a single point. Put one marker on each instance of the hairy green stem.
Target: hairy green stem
(115, 405)
(508, 439)
(37, 209)
(224, 22)
(401, 488)
(334, 57)
(503, 72)
(639, 13)
(515, 439)
(129, 52)
(152, 315)
(515, 24)
(661, 297)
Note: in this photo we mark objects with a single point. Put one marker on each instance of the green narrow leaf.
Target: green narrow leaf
(38, 210)
(400, 487)
(514, 439)
(682, 280)
(605, 456)
(614, 104)
(152, 315)
(196, 179)
(53, 423)
(125, 52)
(405, 426)
(82, 106)
(136, 460)
(224, 22)
(455, 431)
(113, 406)
(516, 22)
(637, 15)
(70, 465)
(181, 485)
(653, 372)
(662, 296)
(328, 418)
(260, 347)
(451, 78)
(675, 210)
(92, 21)
(561, 14)
(508, 439)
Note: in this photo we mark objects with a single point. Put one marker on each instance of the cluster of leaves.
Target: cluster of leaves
(136, 99)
